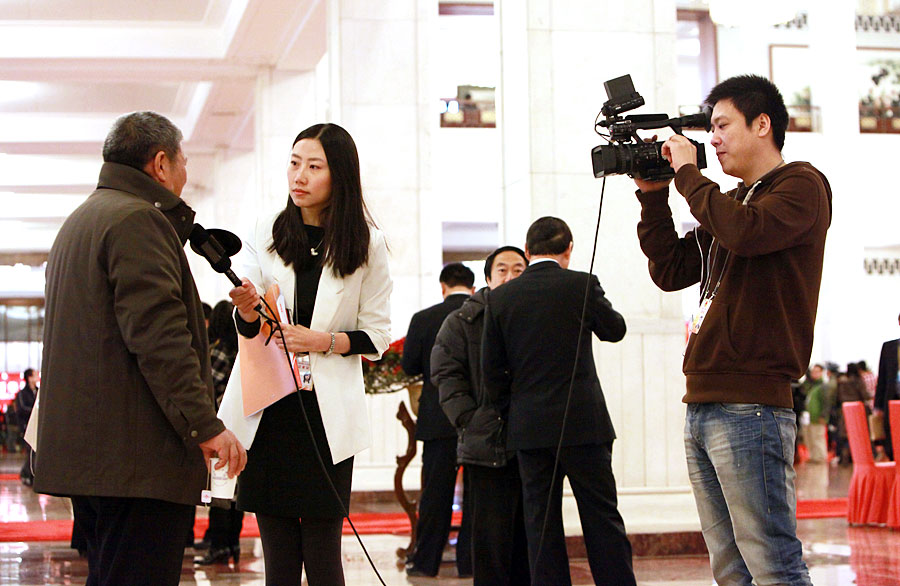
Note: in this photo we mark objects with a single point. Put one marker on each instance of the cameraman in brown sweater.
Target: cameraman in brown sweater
(757, 255)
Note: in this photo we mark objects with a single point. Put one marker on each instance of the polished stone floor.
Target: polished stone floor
(837, 554)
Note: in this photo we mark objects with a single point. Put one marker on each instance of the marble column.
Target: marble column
(555, 58)
(382, 93)
(833, 55)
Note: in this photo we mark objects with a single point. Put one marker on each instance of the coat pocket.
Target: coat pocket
(483, 440)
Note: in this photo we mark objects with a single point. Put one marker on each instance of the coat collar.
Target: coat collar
(136, 182)
(548, 265)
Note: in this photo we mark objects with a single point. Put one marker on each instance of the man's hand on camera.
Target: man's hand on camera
(648, 186)
(679, 152)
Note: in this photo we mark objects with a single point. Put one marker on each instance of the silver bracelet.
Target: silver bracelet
(330, 348)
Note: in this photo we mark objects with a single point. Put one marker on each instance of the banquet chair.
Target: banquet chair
(871, 484)
(893, 519)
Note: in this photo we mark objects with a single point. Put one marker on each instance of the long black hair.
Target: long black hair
(346, 220)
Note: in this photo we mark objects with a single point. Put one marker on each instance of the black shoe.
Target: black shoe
(219, 555)
(201, 545)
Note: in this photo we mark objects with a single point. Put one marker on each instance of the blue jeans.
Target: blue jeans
(741, 463)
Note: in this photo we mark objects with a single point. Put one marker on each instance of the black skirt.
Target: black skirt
(283, 477)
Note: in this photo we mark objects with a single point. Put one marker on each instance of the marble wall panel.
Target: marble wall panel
(387, 138)
(539, 12)
(632, 425)
(382, 10)
(657, 429)
(540, 100)
(636, 15)
(379, 61)
(670, 366)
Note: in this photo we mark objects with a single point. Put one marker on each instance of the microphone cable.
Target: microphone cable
(562, 432)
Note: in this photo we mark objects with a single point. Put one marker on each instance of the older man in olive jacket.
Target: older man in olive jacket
(126, 412)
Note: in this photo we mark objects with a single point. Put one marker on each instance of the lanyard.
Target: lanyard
(713, 253)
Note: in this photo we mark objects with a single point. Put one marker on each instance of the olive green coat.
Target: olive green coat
(126, 392)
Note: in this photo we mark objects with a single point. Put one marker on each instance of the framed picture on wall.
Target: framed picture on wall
(788, 69)
(878, 81)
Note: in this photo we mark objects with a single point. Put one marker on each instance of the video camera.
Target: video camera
(628, 153)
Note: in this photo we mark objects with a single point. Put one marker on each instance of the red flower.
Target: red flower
(386, 375)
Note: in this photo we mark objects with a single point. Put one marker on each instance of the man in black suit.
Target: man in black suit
(888, 387)
(533, 344)
(438, 437)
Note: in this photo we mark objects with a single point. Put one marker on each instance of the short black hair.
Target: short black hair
(753, 95)
(207, 309)
(28, 373)
(221, 326)
(456, 274)
(489, 261)
(548, 235)
(136, 138)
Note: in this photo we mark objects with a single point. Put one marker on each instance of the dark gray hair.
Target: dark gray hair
(548, 236)
(136, 138)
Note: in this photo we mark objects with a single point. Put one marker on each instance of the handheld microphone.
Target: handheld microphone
(217, 247)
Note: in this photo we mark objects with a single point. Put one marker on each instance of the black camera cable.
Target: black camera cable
(562, 431)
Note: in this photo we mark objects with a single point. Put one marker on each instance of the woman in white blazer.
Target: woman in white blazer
(331, 265)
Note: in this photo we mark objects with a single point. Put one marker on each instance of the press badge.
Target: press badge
(700, 315)
(302, 371)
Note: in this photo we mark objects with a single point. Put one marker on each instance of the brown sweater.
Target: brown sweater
(758, 332)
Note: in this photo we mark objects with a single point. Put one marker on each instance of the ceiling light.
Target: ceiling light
(18, 91)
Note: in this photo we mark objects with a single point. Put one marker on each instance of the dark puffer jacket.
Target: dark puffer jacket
(456, 371)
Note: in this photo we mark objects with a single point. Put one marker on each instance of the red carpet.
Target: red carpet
(366, 523)
(821, 508)
(61, 530)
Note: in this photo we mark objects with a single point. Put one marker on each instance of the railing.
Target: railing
(883, 119)
(456, 113)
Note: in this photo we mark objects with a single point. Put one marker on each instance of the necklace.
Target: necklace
(314, 250)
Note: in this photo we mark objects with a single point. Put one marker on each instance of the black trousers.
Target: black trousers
(290, 544)
(499, 545)
(225, 527)
(132, 541)
(27, 470)
(436, 509)
(589, 469)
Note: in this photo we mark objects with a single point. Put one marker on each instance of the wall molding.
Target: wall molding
(882, 266)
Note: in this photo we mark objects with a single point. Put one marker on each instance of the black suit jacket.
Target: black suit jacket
(528, 352)
(423, 329)
(886, 389)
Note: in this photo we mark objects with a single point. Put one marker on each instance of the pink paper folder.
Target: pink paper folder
(265, 374)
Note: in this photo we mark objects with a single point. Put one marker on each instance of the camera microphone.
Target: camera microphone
(217, 247)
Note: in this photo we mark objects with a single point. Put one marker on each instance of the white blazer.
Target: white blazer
(360, 301)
